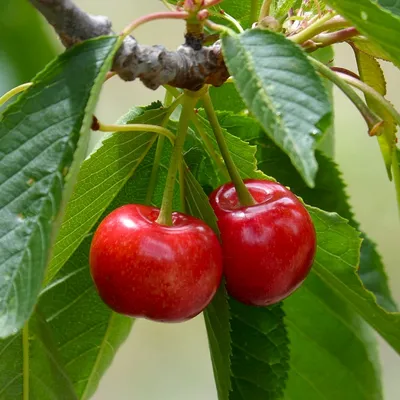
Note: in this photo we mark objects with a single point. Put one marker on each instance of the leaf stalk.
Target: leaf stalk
(18, 89)
(372, 120)
(188, 104)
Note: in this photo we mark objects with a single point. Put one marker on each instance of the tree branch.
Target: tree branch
(186, 68)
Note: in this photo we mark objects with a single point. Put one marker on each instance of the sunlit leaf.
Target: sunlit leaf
(43, 139)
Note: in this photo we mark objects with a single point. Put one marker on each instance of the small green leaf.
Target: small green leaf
(373, 21)
(43, 139)
(31, 367)
(366, 46)
(249, 347)
(371, 73)
(283, 91)
(101, 177)
(86, 331)
(226, 97)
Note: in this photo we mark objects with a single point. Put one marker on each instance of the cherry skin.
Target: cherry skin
(164, 273)
(269, 247)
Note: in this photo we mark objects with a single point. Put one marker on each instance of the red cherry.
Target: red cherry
(159, 272)
(268, 247)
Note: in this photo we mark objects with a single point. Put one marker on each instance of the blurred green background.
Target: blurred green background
(171, 362)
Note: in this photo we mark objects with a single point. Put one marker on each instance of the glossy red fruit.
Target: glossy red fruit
(269, 247)
(144, 269)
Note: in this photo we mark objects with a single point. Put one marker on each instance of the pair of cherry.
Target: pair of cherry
(171, 273)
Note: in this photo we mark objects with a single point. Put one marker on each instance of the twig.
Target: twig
(185, 68)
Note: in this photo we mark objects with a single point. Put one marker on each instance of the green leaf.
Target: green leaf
(86, 331)
(371, 73)
(103, 174)
(30, 366)
(332, 353)
(373, 21)
(343, 279)
(249, 347)
(283, 91)
(391, 5)
(241, 10)
(226, 97)
(19, 21)
(43, 139)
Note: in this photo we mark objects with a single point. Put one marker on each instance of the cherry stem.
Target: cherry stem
(182, 194)
(320, 25)
(372, 120)
(265, 9)
(174, 91)
(245, 198)
(160, 145)
(203, 135)
(18, 89)
(209, 147)
(219, 28)
(153, 17)
(189, 102)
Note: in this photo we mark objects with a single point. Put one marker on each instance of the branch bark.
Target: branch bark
(186, 68)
